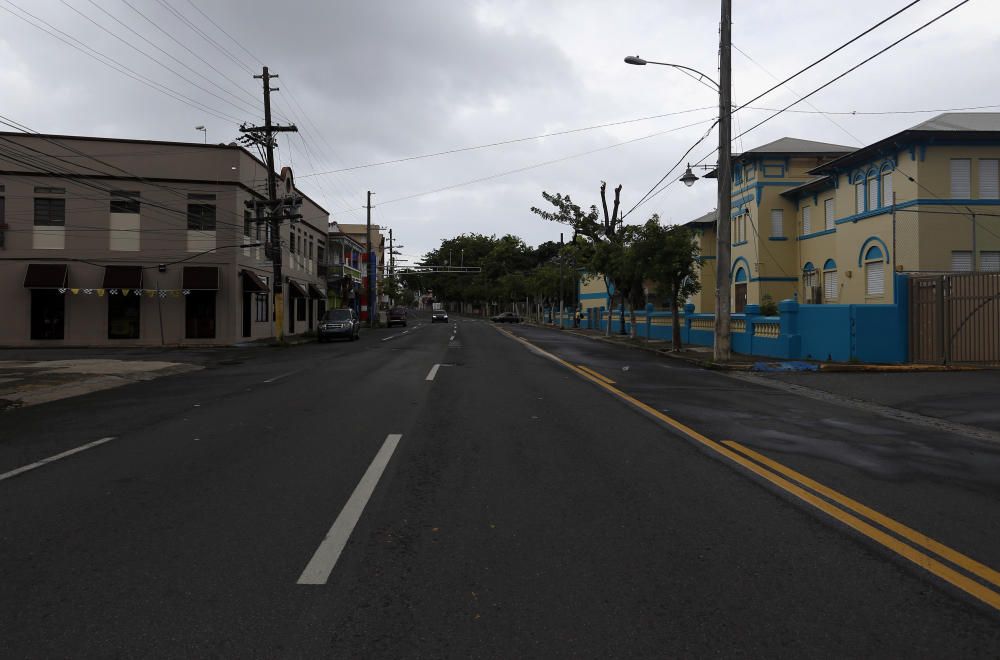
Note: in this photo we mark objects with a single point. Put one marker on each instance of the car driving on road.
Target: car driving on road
(439, 315)
(396, 316)
(338, 324)
(506, 317)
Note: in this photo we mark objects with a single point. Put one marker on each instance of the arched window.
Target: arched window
(874, 271)
(831, 285)
(740, 290)
(810, 277)
(886, 177)
(859, 193)
(872, 190)
(741, 274)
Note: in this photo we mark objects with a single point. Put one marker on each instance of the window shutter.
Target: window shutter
(989, 262)
(961, 260)
(887, 189)
(875, 278)
(777, 222)
(872, 194)
(830, 285)
(828, 211)
(989, 181)
(807, 220)
(859, 188)
(960, 175)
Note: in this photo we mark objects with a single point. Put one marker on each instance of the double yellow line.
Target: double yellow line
(907, 542)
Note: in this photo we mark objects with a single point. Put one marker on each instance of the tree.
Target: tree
(672, 257)
(598, 245)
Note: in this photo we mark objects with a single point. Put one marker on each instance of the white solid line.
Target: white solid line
(271, 380)
(45, 461)
(321, 565)
(390, 337)
(433, 372)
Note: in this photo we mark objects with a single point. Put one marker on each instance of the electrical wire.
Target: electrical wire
(184, 19)
(115, 64)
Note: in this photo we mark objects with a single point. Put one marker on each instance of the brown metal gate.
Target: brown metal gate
(955, 318)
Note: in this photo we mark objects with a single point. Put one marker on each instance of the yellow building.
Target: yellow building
(704, 231)
(826, 223)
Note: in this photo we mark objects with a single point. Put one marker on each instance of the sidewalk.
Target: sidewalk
(961, 395)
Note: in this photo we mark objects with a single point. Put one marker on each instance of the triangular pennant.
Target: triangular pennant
(88, 291)
(163, 294)
(74, 291)
(100, 292)
(174, 293)
(124, 291)
(62, 290)
(150, 293)
(186, 291)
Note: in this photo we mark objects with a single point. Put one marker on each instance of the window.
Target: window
(321, 255)
(777, 223)
(810, 277)
(859, 195)
(807, 220)
(989, 262)
(961, 260)
(201, 217)
(199, 311)
(961, 170)
(3, 215)
(831, 285)
(989, 181)
(50, 212)
(123, 317)
(247, 223)
(887, 189)
(872, 193)
(291, 243)
(828, 213)
(874, 272)
(261, 307)
(45, 190)
(300, 308)
(123, 201)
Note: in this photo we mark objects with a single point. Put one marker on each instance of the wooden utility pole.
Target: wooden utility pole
(370, 266)
(722, 348)
(273, 216)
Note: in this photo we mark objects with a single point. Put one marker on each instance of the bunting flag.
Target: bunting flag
(149, 293)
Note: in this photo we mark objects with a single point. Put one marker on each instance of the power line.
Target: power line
(184, 46)
(184, 19)
(156, 61)
(114, 64)
(505, 142)
(220, 29)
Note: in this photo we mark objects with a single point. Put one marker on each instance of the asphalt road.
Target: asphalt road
(352, 500)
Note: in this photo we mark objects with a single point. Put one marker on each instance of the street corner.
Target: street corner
(26, 383)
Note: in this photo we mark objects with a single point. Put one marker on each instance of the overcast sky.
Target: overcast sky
(372, 81)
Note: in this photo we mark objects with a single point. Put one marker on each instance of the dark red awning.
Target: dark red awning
(46, 276)
(253, 283)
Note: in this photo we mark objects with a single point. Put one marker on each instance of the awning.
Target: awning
(315, 293)
(205, 278)
(46, 276)
(123, 277)
(253, 283)
(295, 289)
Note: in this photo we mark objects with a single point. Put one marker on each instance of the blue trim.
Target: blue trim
(919, 202)
(778, 238)
(874, 253)
(766, 168)
(829, 264)
(774, 279)
(864, 247)
(808, 268)
(736, 262)
(741, 275)
(805, 237)
(593, 296)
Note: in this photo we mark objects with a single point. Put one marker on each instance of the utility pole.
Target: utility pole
(274, 217)
(562, 307)
(722, 347)
(371, 264)
(392, 265)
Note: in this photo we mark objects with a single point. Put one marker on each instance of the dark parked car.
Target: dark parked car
(439, 315)
(338, 324)
(396, 315)
(506, 317)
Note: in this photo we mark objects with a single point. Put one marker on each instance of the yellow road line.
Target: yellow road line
(928, 563)
(598, 375)
(955, 557)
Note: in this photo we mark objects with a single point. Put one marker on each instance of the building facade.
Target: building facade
(827, 224)
(344, 269)
(138, 243)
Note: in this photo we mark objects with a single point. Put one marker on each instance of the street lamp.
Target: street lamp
(722, 346)
(204, 131)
